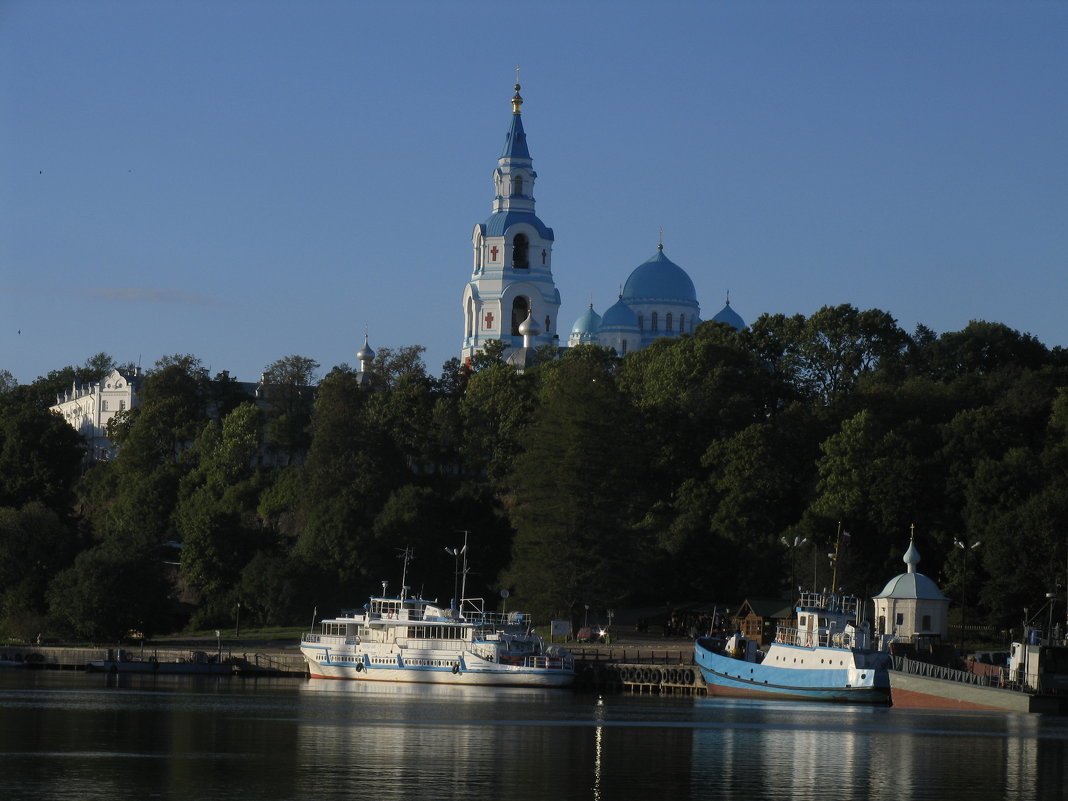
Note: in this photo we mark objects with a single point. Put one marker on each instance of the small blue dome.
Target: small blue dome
(659, 278)
(620, 316)
(730, 317)
(587, 323)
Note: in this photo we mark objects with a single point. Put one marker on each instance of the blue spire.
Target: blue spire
(515, 141)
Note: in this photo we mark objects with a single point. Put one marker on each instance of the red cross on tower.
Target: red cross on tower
(489, 320)
(493, 253)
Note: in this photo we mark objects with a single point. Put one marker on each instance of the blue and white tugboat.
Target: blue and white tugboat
(408, 639)
(827, 656)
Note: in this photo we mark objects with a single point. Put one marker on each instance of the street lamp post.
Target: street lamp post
(799, 542)
(964, 587)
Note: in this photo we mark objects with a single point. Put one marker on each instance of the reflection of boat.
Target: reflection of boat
(412, 640)
(194, 663)
(827, 657)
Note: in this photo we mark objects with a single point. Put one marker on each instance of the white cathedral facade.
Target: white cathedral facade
(511, 295)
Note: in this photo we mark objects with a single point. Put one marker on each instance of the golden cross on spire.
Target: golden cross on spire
(660, 244)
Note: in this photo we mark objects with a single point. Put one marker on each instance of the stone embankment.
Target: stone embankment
(652, 666)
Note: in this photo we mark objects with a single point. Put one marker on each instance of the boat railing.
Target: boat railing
(559, 661)
(831, 602)
(516, 619)
(800, 637)
(929, 670)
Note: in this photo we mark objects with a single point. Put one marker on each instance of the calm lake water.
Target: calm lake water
(94, 736)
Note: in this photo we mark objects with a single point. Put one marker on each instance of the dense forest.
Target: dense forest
(711, 467)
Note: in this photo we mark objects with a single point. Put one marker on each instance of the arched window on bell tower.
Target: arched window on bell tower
(520, 308)
(517, 184)
(520, 247)
(667, 321)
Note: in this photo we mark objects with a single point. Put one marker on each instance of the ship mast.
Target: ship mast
(834, 559)
(407, 555)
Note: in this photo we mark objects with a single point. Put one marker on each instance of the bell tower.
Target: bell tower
(511, 273)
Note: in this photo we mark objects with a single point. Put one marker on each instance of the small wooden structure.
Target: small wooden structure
(758, 617)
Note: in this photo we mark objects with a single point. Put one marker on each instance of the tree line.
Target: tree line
(711, 467)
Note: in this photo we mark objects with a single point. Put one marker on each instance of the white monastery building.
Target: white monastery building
(89, 407)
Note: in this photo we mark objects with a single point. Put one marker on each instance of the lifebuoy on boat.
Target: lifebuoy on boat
(390, 614)
(456, 668)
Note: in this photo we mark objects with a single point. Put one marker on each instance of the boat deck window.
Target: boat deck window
(341, 629)
(437, 632)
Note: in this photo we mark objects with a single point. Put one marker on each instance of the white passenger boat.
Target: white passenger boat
(409, 639)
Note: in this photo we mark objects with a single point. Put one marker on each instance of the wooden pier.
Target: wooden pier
(646, 670)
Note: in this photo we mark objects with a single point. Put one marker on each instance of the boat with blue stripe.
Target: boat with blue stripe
(826, 656)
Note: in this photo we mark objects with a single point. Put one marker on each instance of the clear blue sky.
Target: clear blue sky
(247, 180)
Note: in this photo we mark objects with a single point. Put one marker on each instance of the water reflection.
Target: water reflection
(78, 736)
(805, 751)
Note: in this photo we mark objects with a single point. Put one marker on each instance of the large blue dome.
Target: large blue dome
(659, 278)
